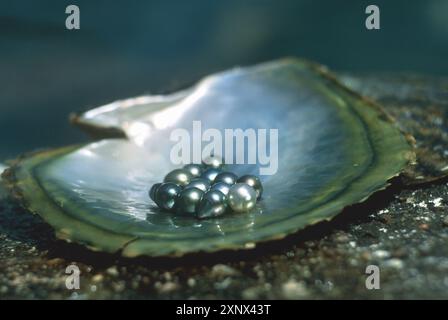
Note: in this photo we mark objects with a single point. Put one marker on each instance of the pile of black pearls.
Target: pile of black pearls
(205, 190)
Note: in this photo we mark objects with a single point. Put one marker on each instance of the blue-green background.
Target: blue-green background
(126, 48)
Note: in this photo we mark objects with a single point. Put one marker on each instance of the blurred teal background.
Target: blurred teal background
(126, 48)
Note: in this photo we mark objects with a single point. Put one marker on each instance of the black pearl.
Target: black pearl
(242, 197)
(210, 174)
(180, 177)
(254, 182)
(153, 190)
(167, 195)
(194, 169)
(226, 177)
(213, 204)
(199, 183)
(189, 200)
(213, 162)
(221, 186)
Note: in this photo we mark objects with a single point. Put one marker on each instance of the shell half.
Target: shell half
(334, 149)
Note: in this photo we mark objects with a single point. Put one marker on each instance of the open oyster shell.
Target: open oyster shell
(335, 149)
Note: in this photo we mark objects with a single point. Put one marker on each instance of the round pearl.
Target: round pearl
(180, 177)
(226, 177)
(194, 169)
(200, 183)
(254, 182)
(213, 204)
(152, 192)
(242, 197)
(167, 195)
(189, 200)
(210, 174)
(221, 186)
(213, 162)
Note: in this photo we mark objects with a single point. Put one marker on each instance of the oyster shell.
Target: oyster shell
(335, 149)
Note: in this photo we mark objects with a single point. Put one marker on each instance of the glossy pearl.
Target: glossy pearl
(213, 162)
(221, 186)
(226, 177)
(189, 200)
(167, 195)
(210, 174)
(242, 197)
(180, 177)
(152, 192)
(200, 183)
(194, 169)
(254, 182)
(213, 204)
